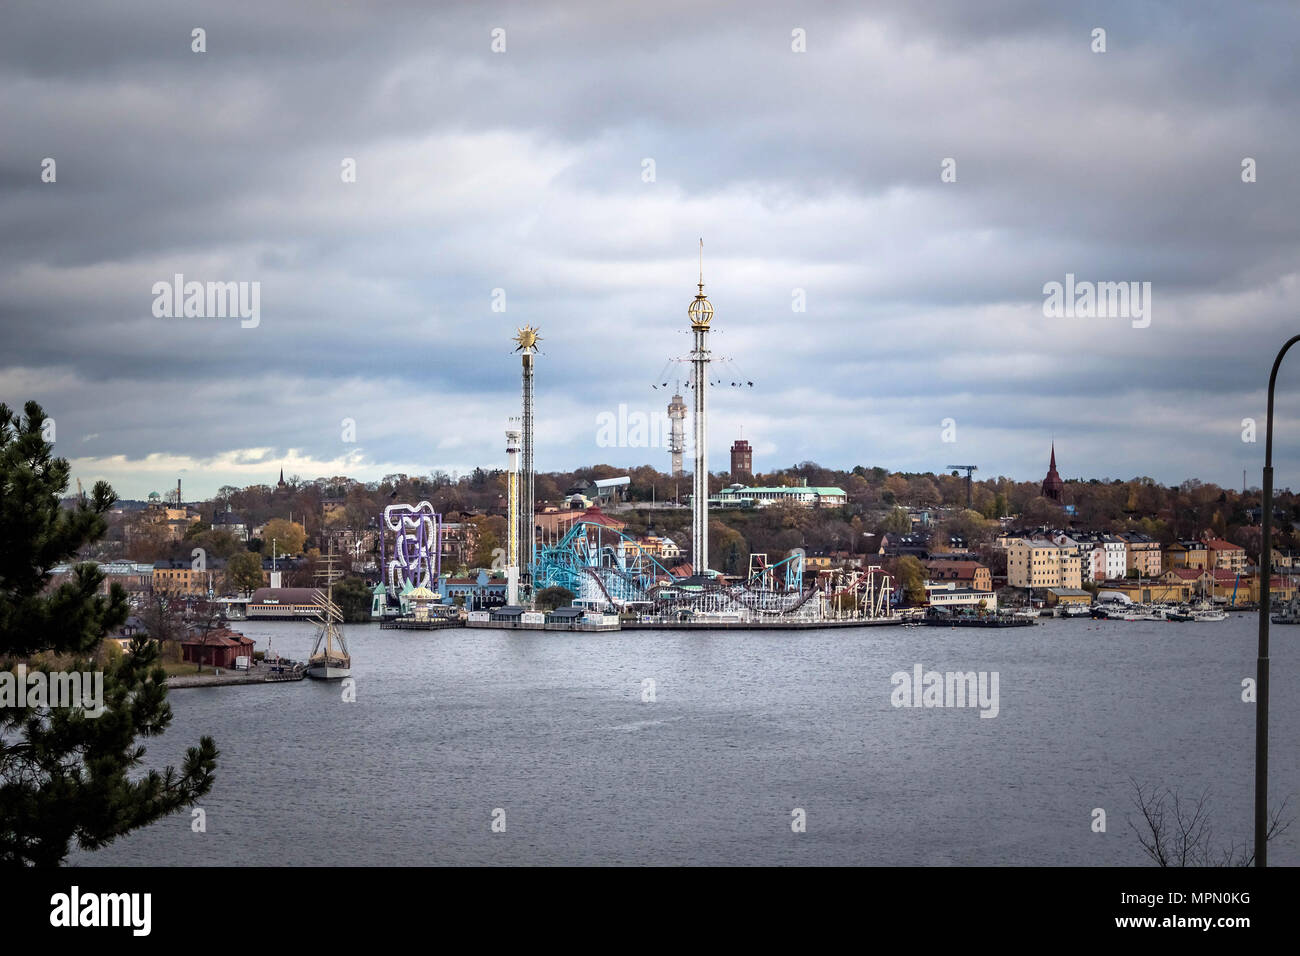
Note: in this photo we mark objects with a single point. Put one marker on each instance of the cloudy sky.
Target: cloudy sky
(526, 171)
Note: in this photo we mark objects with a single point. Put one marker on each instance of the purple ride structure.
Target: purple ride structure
(416, 561)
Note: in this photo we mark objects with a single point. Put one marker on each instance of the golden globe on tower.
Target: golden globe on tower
(700, 310)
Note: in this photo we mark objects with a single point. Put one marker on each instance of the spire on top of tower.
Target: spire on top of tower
(700, 310)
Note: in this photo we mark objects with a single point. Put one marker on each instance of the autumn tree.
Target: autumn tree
(909, 574)
(289, 536)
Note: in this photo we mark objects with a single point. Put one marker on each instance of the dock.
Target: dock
(776, 624)
(411, 624)
(979, 622)
(258, 674)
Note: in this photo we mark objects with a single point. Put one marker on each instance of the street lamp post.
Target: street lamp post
(1261, 664)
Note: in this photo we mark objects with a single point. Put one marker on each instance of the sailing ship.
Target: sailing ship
(329, 659)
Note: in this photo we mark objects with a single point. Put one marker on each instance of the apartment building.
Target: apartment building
(1188, 554)
(1040, 563)
(1141, 553)
(181, 577)
(1225, 556)
(969, 575)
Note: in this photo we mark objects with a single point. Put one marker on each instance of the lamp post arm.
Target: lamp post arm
(1261, 663)
(1272, 381)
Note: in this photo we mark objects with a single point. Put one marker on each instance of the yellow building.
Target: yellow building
(1226, 556)
(1234, 588)
(1141, 552)
(1036, 563)
(1187, 554)
(179, 577)
(1162, 591)
(656, 546)
(1057, 596)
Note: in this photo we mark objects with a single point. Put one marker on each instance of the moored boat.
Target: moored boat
(329, 659)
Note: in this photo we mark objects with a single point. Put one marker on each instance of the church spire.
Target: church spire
(1053, 486)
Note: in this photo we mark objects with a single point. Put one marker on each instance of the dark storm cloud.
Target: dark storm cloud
(522, 171)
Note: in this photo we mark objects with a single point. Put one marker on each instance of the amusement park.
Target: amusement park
(615, 582)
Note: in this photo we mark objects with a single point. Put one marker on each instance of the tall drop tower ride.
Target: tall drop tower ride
(701, 313)
(526, 343)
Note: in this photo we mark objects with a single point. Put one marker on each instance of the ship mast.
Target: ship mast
(328, 615)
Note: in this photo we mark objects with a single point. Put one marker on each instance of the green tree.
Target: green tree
(897, 522)
(352, 595)
(64, 775)
(218, 543)
(548, 599)
(244, 571)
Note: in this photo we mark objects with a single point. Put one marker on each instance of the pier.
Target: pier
(411, 624)
(261, 673)
(779, 624)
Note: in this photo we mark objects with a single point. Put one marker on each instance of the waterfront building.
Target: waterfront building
(970, 575)
(1233, 587)
(1198, 580)
(1141, 553)
(1188, 554)
(218, 648)
(283, 603)
(1040, 563)
(1224, 555)
(1057, 596)
(947, 595)
(477, 592)
(1102, 555)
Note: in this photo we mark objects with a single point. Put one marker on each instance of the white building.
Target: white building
(809, 497)
(1116, 556)
(946, 595)
(1105, 557)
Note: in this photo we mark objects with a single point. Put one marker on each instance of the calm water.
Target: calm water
(552, 729)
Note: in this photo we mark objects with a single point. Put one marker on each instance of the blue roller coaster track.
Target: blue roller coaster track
(602, 565)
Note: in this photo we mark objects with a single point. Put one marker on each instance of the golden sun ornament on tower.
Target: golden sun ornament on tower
(527, 338)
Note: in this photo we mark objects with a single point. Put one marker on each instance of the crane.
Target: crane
(969, 468)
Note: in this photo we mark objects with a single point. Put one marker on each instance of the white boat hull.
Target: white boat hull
(328, 672)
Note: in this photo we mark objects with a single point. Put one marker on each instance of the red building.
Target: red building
(742, 460)
(220, 648)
